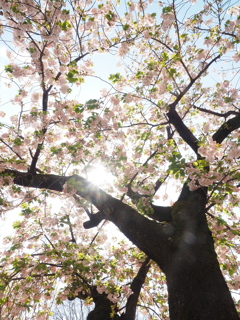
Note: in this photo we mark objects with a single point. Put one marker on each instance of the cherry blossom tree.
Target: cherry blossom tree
(165, 128)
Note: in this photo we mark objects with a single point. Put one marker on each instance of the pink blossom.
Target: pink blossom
(236, 57)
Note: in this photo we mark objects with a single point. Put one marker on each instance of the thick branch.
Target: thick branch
(161, 213)
(136, 287)
(174, 117)
(226, 128)
(182, 129)
(103, 309)
(149, 236)
(223, 115)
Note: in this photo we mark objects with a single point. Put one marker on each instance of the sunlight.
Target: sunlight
(98, 175)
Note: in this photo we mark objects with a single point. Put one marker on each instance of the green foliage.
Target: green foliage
(165, 56)
(9, 68)
(228, 99)
(16, 224)
(55, 150)
(201, 164)
(72, 76)
(17, 142)
(79, 108)
(92, 104)
(65, 11)
(65, 25)
(73, 148)
(126, 27)
(114, 78)
(177, 165)
(64, 220)
(14, 8)
(167, 9)
(172, 72)
(110, 16)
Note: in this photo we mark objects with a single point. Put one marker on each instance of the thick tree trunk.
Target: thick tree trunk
(197, 291)
(196, 287)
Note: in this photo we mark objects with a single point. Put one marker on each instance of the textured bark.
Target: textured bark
(183, 248)
(136, 287)
(196, 287)
(226, 128)
(104, 309)
(182, 129)
(161, 213)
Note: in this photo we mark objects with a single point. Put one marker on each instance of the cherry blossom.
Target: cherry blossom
(170, 113)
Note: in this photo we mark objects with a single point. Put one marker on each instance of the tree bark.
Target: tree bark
(136, 287)
(183, 248)
(104, 309)
(196, 287)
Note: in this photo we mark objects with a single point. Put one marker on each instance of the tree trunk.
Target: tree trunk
(196, 287)
(197, 291)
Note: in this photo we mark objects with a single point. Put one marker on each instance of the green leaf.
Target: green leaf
(15, 246)
(55, 150)
(92, 104)
(26, 212)
(167, 10)
(126, 27)
(139, 74)
(15, 8)
(171, 72)
(115, 77)
(16, 224)
(165, 56)
(65, 220)
(71, 76)
(78, 108)
(64, 25)
(8, 68)
(64, 11)
(176, 56)
(18, 142)
(228, 99)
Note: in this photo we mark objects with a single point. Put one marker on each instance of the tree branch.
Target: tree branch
(161, 214)
(226, 128)
(136, 287)
(182, 129)
(149, 236)
(224, 115)
(174, 117)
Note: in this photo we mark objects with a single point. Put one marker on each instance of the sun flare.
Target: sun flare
(99, 175)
